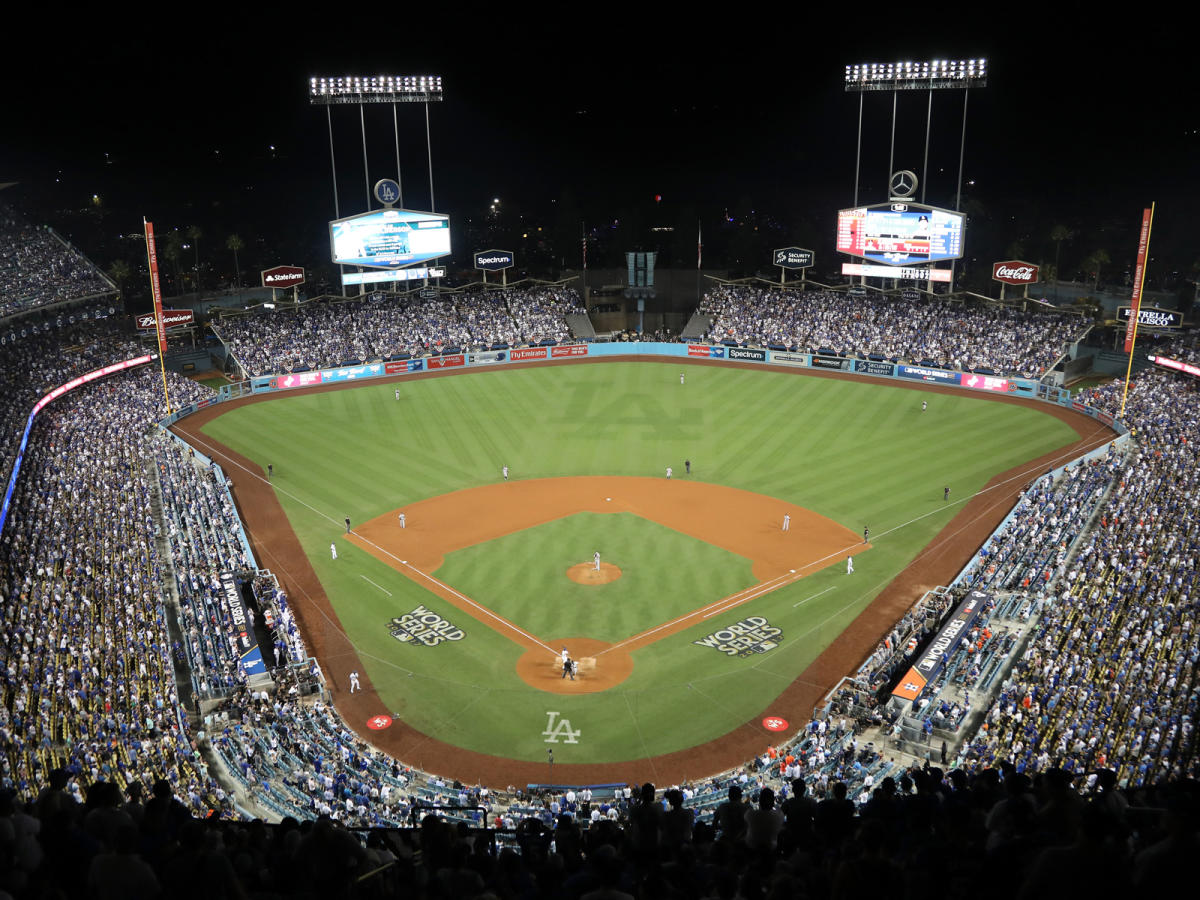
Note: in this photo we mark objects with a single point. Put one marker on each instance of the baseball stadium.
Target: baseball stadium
(572, 584)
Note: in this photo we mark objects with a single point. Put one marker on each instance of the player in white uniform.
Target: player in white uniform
(681, 378)
(397, 393)
(354, 685)
(504, 472)
(596, 557)
(787, 522)
(403, 521)
(333, 550)
(668, 472)
(849, 565)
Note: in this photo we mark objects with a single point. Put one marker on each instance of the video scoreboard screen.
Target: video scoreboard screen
(900, 234)
(388, 238)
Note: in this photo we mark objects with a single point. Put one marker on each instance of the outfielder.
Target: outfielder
(681, 378)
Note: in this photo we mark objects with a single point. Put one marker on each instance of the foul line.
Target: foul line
(369, 581)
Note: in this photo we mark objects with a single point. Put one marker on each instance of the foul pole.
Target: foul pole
(156, 293)
(1139, 279)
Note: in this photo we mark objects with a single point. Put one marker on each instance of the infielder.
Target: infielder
(403, 521)
(596, 557)
(849, 565)
(333, 550)
(354, 685)
(504, 472)
(668, 473)
(787, 522)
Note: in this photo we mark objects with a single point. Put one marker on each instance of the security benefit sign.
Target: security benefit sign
(424, 627)
(754, 634)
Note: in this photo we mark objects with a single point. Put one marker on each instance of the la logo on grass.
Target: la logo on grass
(560, 728)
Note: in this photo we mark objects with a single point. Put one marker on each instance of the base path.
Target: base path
(276, 546)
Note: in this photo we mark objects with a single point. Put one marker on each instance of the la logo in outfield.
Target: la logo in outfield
(775, 723)
(556, 728)
(379, 722)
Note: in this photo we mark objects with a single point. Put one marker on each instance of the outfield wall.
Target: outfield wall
(901, 373)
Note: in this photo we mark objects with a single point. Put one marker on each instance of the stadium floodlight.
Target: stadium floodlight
(350, 89)
(916, 76)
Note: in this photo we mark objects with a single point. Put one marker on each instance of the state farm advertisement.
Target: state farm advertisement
(283, 276)
(172, 318)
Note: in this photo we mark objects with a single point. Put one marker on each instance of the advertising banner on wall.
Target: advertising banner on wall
(703, 350)
(401, 366)
(568, 350)
(871, 367)
(746, 353)
(934, 376)
(522, 353)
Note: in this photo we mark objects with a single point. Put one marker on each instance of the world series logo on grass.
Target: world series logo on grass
(422, 626)
(751, 635)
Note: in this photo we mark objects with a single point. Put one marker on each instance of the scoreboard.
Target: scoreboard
(901, 234)
(388, 238)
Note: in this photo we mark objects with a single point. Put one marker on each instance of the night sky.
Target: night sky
(741, 125)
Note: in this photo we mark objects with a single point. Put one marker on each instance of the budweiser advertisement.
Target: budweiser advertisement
(283, 276)
(1013, 271)
(171, 318)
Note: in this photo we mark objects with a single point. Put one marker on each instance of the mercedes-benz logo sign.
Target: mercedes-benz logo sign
(903, 183)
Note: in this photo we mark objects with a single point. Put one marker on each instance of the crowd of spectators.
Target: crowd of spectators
(37, 267)
(380, 326)
(1111, 678)
(956, 335)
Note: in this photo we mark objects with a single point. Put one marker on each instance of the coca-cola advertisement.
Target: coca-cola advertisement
(1014, 271)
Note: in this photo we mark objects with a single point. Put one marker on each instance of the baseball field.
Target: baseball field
(704, 619)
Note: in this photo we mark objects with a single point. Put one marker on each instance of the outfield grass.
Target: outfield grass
(664, 574)
(858, 453)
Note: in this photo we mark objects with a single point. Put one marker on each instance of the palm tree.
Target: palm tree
(1058, 234)
(194, 234)
(120, 273)
(235, 243)
(1095, 261)
(174, 252)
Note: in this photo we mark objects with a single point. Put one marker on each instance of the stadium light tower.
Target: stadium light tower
(345, 90)
(930, 75)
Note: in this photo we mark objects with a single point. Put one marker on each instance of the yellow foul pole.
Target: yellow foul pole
(1139, 279)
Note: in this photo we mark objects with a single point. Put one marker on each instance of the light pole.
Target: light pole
(928, 75)
(355, 90)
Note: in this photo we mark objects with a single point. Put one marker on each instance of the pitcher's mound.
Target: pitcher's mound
(587, 573)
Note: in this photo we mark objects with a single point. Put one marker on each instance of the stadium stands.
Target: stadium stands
(1100, 561)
